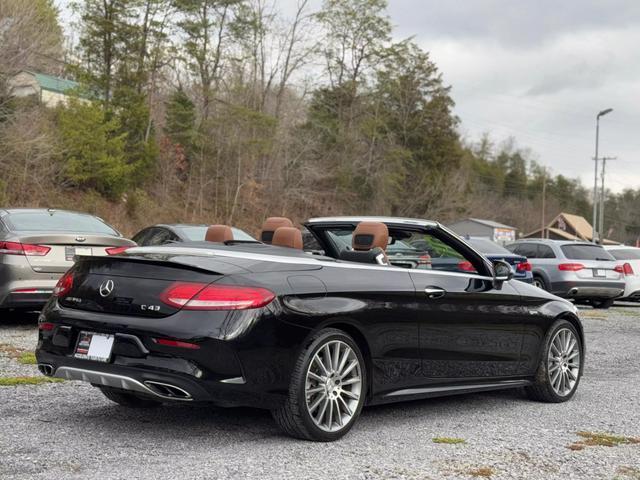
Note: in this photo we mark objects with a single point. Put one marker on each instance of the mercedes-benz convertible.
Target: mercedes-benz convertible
(313, 337)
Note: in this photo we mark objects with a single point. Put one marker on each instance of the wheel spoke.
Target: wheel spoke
(322, 411)
(351, 366)
(327, 357)
(330, 419)
(337, 411)
(317, 403)
(345, 406)
(554, 368)
(573, 355)
(336, 356)
(350, 381)
(349, 394)
(313, 390)
(318, 362)
(315, 377)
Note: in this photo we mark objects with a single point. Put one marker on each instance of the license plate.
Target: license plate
(94, 346)
(70, 252)
(599, 273)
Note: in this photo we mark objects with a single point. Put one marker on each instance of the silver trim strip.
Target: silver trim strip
(458, 388)
(397, 220)
(111, 380)
(206, 252)
(234, 380)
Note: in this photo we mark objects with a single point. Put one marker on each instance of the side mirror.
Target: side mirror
(502, 272)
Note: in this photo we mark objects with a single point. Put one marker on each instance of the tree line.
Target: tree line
(233, 110)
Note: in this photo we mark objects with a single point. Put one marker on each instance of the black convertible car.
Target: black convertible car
(312, 338)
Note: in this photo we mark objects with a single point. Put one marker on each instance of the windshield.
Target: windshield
(198, 233)
(585, 252)
(487, 246)
(54, 221)
(626, 254)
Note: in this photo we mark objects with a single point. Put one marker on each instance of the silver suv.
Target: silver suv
(581, 271)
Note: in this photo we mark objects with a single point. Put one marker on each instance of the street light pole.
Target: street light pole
(594, 232)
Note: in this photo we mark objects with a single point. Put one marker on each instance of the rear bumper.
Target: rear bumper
(252, 370)
(27, 293)
(588, 289)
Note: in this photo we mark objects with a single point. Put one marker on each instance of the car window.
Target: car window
(141, 237)
(414, 250)
(545, 251)
(160, 236)
(585, 252)
(626, 254)
(56, 221)
(529, 250)
(484, 245)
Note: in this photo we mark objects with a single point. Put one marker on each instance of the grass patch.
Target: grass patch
(448, 440)
(27, 358)
(481, 472)
(14, 381)
(593, 439)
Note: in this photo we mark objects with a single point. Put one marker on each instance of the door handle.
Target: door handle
(434, 292)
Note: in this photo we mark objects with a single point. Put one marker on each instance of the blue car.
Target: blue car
(493, 251)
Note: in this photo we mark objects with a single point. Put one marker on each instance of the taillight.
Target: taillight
(17, 248)
(46, 326)
(199, 296)
(627, 269)
(64, 285)
(116, 250)
(424, 260)
(466, 266)
(570, 267)
(618, 268)
(523, 267)
(167, 342)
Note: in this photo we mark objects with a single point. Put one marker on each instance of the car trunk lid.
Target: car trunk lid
(118, 285)
(64, 247)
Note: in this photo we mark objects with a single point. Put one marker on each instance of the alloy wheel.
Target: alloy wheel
(564, 362)
(333, 386)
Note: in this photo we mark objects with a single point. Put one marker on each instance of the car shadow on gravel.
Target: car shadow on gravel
(222, 425)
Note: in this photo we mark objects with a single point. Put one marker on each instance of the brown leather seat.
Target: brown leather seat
(270, 225)
(219, 234)
(370, 240)
(369, 235)
(289, 237)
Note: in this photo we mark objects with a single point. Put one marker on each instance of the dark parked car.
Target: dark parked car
(312, 338)
(38, 245)
(162, 234)
(493, 251)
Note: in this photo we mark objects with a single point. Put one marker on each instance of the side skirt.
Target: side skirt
(443, 391)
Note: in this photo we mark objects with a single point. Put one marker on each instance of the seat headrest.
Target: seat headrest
(219, 234)
(289, 237)
(368, 235)
(270, 225)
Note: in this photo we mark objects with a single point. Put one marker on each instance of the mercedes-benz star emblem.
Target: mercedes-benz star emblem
(106, 288)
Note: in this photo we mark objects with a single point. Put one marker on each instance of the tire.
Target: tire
(539, 282)
(548, 387)
(602, 304)
(129, 400)
(308, 414)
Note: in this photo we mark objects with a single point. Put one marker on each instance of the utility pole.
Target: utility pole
(594, 233)
(544, 194)
(602, 195)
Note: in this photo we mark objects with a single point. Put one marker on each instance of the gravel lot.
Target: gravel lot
(69, 430)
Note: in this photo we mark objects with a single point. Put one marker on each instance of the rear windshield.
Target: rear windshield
(586, 252)
(197, 234)
(487, 246)
(626, 254)
(57, 222)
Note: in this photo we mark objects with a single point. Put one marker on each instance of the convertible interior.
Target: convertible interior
(368, 242)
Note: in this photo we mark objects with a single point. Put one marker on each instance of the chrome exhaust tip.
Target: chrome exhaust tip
(46, 369)
(168, 391)
(573, 291)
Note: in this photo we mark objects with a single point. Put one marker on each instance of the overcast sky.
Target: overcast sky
(538, 71)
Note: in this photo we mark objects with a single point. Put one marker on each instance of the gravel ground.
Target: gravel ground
(69, 430)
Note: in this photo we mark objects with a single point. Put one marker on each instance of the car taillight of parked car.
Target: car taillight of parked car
(523, 267)
(198, 296)
(625, 269)
(424, 260)
(466, 266)
(17, 248)
(571, 267)
(116, 250)
(64, 285)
